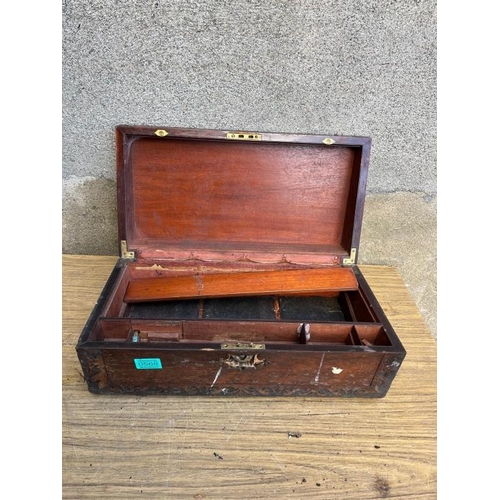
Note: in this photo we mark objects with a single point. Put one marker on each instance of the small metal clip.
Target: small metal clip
(304, 332)
(244, 361)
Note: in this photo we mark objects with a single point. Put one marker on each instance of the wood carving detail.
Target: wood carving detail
(94, 371)
(390, 366)
(269, 391)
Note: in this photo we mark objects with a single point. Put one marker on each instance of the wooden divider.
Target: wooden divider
(303, 282)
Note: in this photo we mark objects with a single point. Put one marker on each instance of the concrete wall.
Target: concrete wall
(365, 67)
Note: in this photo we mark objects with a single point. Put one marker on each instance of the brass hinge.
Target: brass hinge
(161, 133)
(350, 261)
(244, 136)
(125, 252)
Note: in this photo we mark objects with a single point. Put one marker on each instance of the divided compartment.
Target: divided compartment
(370, 335)
(342, 318)
(214, 331)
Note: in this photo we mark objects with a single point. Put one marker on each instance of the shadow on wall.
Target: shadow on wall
(89, 218)
(400, 230)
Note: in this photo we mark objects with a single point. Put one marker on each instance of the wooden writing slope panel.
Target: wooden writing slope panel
(237, 273)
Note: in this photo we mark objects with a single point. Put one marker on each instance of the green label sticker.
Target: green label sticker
(148, 364)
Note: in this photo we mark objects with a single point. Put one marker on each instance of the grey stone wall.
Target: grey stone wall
(356, 67)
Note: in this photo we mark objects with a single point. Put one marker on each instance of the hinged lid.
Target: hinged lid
(228, 195)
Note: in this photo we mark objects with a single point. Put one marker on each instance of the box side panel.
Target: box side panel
(392, 361)
(237, 373)
(386, 372)
(377, 310)
(102, 300)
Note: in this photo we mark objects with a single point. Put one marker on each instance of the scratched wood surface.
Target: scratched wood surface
(158, 447)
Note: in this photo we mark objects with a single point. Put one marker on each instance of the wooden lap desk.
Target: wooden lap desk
(162, 447)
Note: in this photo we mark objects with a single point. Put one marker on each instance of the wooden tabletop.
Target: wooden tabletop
(163, 447)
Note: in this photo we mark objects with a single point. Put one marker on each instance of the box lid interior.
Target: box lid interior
(186, 193)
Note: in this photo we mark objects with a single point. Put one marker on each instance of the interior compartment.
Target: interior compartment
(175, 309)
(207, 331)
(314, 308)
(343, 318)
(371, 335)
(239, 308)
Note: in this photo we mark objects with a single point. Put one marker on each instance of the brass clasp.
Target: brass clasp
(242, 345)
(243, 361)
(244, 136)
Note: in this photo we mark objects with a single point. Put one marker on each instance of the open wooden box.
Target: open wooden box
(237, 273)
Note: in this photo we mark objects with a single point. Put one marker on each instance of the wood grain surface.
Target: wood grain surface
(157, 447)
(298, 281)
